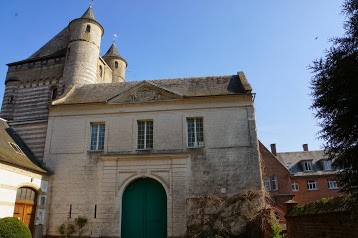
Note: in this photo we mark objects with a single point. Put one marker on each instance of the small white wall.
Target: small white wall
(12, 178)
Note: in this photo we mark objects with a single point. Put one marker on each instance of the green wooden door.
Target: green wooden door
(144, 210)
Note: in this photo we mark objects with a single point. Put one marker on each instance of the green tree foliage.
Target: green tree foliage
(335, 99)
(11, 227)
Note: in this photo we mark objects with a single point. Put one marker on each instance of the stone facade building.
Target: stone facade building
(128, 155)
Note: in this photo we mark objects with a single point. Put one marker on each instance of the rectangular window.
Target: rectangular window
(195, 132)
(145, 135)
(312, 185)
(307, 166)
(332, 184)
(294, 186)
(274, 183)
(267, 183)
(97, 136)
(327, 165)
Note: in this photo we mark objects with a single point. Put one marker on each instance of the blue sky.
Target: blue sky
(273, 42)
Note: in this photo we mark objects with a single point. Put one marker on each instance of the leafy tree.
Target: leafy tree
(335, 99)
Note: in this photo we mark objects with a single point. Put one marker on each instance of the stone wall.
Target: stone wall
(228, 163)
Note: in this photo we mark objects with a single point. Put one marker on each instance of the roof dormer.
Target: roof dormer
(307, 165)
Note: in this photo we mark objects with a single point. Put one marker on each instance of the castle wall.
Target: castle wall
(226, 165)
(28, 113)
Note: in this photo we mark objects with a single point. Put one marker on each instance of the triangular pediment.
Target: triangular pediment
(144, 92)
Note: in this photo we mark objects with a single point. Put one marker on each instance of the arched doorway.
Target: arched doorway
(144, 210)
(25, 206)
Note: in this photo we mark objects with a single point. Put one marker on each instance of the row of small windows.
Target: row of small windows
(272, 184)
(313, 185)
(308, 166)
(145, 134)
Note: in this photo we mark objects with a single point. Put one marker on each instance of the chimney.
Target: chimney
(305, 147)
(273, 149)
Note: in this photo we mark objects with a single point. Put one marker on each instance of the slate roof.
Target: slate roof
(112, 51)
(292, 161)
(89, 14)
(26, 160)
(187, 87)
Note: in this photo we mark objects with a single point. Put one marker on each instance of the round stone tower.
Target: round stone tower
(117, 64)
(83, 50)
(10, 98)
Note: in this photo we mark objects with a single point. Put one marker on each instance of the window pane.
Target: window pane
(141, 134)
(191, 132)
(94, 131)
(101, 137)
(199, 130)
(149, 135)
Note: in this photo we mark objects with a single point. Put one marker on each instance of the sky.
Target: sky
(273, 42)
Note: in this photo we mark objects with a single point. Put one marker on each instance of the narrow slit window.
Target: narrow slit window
(100, 71)
(116, 64)
(54, 93)
(88, 28)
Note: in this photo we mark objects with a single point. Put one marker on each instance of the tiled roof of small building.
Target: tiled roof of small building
(187, 87)
(23, 158)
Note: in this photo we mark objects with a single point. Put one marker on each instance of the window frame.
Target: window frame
(146, 140)
(327, 165)
(332, 184)
(274, 183)
(312, 185)
(97, 148)
(196, 143)
(267, 183)
(295, 187)
(307, 166)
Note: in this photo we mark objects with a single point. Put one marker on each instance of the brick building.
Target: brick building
(304, 176)
(127, 155)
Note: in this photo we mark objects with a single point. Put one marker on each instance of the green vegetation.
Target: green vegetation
(67, 229)
(335, 99)
(346, 203)
(11, 227)
(276, 229)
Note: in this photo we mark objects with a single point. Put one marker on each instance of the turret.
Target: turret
(83, 50)
(10, 98)
(116, 63)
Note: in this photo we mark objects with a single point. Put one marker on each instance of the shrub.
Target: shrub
(11, 227)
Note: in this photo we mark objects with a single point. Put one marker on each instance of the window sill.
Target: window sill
(95, 151)
(150, 149)
(196, 147)
(333, 188)
(313, 189)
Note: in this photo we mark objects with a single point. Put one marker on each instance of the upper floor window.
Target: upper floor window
(332, 184)
(100, 71)
(274, 183)
(97, 136)
(307, 166)
(294, 186)
(327, 165)
(116, 64)
(145, 135)
(195, 132)
(88, 28)
(267, 183)
(312, 185)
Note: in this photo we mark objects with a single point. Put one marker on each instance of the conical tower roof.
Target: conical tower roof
(89, 14)
(113, 51)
